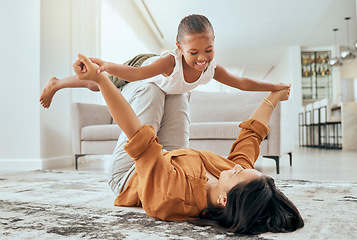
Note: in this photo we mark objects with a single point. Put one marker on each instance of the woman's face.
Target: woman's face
(197, 49)
(229, 178)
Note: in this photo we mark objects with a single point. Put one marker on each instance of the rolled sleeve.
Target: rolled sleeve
(136, 146)
(256, 126)
(245, 150)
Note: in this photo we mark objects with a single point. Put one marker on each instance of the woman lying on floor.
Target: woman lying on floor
(199, 186)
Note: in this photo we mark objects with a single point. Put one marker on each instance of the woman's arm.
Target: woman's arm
(164, 65)
(245, 84)
(264, 111)
(245, 150)
(119, 108)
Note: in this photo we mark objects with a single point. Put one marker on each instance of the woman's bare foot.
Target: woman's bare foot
(48, 92)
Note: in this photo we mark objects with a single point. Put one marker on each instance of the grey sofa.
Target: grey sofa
(214, 120)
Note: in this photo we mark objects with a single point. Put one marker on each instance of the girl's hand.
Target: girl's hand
(282, 86)
(103, 65)
(85, 69)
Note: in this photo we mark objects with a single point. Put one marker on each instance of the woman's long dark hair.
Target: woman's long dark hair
(253, 208)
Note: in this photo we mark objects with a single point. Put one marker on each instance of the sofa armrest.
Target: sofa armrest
(281, 135)
(84, 114)
(288, 125)
(274, 137)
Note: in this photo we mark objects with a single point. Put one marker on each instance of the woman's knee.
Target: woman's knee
(151, 93)
(148, 102)
(177, 108)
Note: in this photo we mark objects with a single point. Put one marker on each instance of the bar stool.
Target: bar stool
(331, 132)
(309, 125)
(302, 128)
(316, 128)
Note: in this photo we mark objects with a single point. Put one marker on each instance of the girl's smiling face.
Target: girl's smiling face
(197, 49)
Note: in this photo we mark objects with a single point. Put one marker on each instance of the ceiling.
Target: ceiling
(255, 34)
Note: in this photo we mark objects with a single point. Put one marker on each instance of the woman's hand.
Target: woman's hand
(86, 70)
(103, 65)
(285, 93)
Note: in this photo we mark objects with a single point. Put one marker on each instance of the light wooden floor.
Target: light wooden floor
(314, 164)
(308, 164)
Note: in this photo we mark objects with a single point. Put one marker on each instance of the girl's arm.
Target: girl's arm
(119, 108)
(164, 65)
(245, 84)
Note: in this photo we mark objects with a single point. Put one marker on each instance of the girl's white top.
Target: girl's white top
(175, 83)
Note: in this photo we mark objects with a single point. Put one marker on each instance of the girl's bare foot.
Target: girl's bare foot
(48, 92)
(55, 84)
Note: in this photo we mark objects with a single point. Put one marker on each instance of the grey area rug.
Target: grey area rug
(79, 205)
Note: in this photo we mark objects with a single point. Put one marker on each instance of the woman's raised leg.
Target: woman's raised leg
(147, 100)
(174, 128)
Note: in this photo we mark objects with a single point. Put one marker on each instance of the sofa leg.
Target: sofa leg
(276, 158)
(291, 158)
(76, 156)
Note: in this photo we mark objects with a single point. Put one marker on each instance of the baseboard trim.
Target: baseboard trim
(57, 162)
(35, 163)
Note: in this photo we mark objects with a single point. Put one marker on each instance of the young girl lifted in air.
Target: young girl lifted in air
(194, 185)
(178, 71)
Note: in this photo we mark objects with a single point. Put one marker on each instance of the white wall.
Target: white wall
(20, 63)
(41, 39)
(55, 60)
(34, 45)
(349, 80)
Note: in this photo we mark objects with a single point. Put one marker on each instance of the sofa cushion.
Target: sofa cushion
(223, 106)
(99, 147)
(101, 132)
(214, 130)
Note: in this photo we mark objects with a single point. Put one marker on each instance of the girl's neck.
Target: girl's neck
(190, 74)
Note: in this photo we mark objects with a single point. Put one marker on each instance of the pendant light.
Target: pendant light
(348, 53)
(336, 61)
